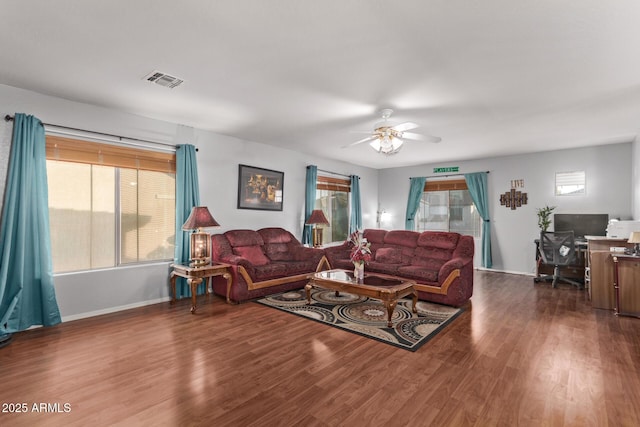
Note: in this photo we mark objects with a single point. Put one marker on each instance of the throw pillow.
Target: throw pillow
(253, 254)
(389, 256)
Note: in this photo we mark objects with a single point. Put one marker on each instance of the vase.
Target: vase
(358, 271)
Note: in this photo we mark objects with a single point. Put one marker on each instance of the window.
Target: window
(332, 196)
(447, 206)
(109, 205)
(570, 183)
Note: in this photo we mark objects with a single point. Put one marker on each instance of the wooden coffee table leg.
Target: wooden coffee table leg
(307, 289)
(229, 280)
(391, 305)
(415, 301)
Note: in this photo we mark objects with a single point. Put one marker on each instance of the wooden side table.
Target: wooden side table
(195, 276)
(632, 295)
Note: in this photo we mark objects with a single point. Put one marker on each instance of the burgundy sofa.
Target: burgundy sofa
(441, 263)
(263, 262)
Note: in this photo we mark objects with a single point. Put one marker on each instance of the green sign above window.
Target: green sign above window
(447, 169)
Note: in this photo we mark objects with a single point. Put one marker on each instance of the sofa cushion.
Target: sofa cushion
(275, 235)
(439, 239)
(244, 238)
(374, 236)
(383, 267)
(431, 257)
(253, 254)
(389, 256)
(278, 251)
(401, 238)
(430, 263)
(421, 274)
(298, 267)
(270, 271)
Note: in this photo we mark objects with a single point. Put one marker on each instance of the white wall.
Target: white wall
(218, 159)
(608, 172)
(88, 293)
(635, 179)
(612, 178)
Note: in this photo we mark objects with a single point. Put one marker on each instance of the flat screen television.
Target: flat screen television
(582, 224)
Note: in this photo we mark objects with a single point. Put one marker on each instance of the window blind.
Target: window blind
(446, 185)
(80, 151)
(333, 184)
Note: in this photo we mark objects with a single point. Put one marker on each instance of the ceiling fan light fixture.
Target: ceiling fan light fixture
(386, 145)
(387, 138)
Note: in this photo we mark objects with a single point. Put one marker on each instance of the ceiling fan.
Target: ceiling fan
(388, 138)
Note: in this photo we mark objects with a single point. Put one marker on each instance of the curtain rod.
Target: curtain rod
(335, 173)
(9, 118)
(442, 176)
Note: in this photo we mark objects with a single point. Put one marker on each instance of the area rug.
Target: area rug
(368, 317)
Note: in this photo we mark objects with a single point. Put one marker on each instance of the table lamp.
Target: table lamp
(635, 238)
(200, 248)
(317, 218)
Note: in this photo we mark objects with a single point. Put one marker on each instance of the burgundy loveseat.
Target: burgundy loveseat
(263, 262)
(441, 263)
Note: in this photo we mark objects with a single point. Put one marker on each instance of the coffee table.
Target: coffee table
(388, 289)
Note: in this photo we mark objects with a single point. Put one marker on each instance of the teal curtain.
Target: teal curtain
(187, 196)
(27, 294)
(477, 183)
(355, 222)
(309, 201)
(416, 188)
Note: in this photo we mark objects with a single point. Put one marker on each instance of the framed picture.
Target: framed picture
(259, 188)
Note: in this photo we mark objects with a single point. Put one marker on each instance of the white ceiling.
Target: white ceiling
(491, 77)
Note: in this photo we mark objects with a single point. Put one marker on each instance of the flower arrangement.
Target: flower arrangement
(361, 252)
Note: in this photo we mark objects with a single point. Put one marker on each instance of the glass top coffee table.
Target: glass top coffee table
(388, 289)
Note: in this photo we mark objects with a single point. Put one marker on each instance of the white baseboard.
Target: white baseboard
(113, 309)
(506, 271)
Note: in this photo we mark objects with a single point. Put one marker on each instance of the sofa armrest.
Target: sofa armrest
(237, 261)
(450, 267)
(234, 259)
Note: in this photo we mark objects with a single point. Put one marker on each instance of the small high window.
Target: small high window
(570, 183)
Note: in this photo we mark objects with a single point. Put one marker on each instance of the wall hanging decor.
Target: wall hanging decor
(513, 199)
(260, 188)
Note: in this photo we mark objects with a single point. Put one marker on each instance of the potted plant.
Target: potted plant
(544, 217)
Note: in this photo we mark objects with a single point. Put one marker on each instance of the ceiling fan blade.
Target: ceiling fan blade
(404, 126)
(419, 137)
(367, 139)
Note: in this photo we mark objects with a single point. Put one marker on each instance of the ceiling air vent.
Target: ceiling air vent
(163, 79)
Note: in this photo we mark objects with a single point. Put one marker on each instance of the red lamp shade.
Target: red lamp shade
(200, 217)
(317, 217)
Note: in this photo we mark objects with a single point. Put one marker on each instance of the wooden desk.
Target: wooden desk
(195, 275)
(600, 270)
(627, 271)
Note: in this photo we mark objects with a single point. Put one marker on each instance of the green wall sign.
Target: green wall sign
(447, 169)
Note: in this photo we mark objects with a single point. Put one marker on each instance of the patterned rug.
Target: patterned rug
(368, 317)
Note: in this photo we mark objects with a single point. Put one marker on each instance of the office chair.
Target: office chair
(558, 249)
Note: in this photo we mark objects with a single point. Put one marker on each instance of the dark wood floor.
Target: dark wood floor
(521, 354)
